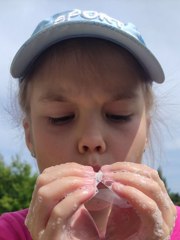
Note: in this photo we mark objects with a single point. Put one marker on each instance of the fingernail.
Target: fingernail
(108, 183)
(106, 168)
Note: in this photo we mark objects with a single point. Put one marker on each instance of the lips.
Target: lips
(96, 168)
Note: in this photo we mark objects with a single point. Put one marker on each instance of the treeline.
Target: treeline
(17, 183)
(175, 197)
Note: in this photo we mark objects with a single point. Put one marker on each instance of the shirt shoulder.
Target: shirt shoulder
(176, 231)
(12, 226)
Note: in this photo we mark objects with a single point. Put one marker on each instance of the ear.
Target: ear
(28, 134)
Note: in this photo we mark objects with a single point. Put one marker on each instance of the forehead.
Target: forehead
(92, 50)
(87, 63)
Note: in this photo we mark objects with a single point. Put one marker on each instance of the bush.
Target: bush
(16, 185)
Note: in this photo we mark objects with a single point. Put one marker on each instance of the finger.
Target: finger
(46, 197)
(150, 188)
(147, 210)
(137, 168)
(63, 170)
(59, 224)
(57, 172)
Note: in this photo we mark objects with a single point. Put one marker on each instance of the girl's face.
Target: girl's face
(89, 110)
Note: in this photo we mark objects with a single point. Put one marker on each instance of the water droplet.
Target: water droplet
(96, 191)
(33, 209)
(40, 199)
(59, 221)
(40, 234)
(75, 206)
(53, 225)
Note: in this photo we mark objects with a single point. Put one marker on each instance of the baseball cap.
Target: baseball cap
(85, 23)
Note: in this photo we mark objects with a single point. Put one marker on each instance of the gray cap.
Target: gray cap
(79, 23)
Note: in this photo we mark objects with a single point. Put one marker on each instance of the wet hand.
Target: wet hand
(152, 215)
(57, 204)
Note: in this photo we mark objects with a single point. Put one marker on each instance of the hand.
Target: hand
(152, 215)
(56, 211)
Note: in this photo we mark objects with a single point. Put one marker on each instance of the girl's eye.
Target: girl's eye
(118, 118)
(61, 120)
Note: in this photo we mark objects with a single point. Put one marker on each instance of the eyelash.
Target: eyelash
(111, 117)
(61, 120)
(119, 118)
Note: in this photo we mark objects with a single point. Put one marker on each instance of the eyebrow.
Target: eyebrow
(125, 95)
(60, 97)
(52, 96)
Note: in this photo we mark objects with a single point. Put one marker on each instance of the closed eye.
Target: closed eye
(61, 120)
(118, 118)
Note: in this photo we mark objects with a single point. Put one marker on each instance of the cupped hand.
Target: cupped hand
(56, 211)
(152, 215)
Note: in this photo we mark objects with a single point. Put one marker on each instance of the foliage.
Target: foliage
(163, 179)
(175, 197)
(16, 184)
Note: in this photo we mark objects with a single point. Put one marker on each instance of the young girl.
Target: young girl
(85, 88)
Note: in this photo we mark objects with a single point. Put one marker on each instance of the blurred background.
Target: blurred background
(159, 23)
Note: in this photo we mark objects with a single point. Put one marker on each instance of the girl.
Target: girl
(85, 87)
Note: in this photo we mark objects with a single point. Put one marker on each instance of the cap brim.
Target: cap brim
(32, 48)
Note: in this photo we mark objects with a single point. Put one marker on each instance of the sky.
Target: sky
(159, 23)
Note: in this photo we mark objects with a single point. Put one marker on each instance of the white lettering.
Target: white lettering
(89, 14)
(120, 24)
(105, 17)
(117, 22)
(60, 19)
(74, 13)
(102, 16)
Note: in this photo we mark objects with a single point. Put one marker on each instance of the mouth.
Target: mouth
(96, 168)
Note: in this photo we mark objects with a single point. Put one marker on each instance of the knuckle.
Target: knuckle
(41, 180)
(155, 188)
(152, 208)
(154, 174)
(57, 213)
(155, 192)
(43, 194)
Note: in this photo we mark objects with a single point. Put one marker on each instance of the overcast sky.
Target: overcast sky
(159, 23)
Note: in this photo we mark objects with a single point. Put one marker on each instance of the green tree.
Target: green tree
(16, 184)
(175, 197)
(160, 172)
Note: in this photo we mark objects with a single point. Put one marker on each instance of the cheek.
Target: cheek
(138, 145)
(129, 145)
(51, 149)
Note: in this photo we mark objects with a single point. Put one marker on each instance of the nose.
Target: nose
(91, 143)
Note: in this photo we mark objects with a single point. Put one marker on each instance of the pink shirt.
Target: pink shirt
(12, 226)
